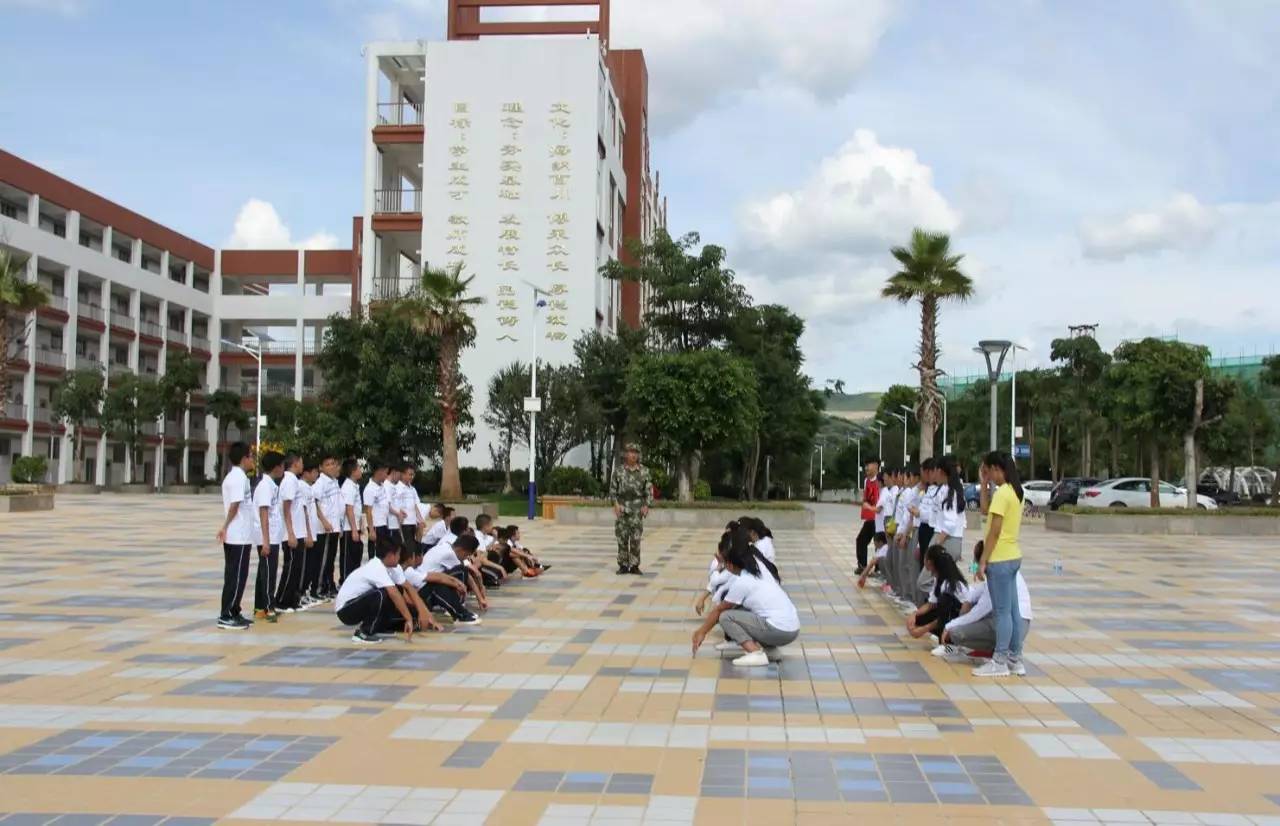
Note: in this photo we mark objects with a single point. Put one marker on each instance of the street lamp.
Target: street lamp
(997, 348)
(902, 418)
(880, 430)
(912, 413)
(946, 448)
(858, 441)
(256, 353)
(1013, 402)
(533, 404)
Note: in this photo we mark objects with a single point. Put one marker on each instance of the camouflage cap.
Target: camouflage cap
(631, 447)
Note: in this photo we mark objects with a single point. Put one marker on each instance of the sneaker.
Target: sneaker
(242, 618)
(289, 610)
(753, 658)
(991, 669)
(362, 638)
(635, 570)
(469, 620)
(530, 574)
(623, 570)
(1017, 668)
(858, 571)
(232, 624)
(728, 645)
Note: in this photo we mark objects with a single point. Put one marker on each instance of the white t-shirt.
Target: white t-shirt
(927, 505)
(764, 597)
(884, 507)
(349, 494)
(979, 598)
(765, 546)
(718, 579)
(309, 501)
(902, 513)
(267, 495)
(408, 503)
(372, 574)
(375, 498)
(439, 560)
(962, 594)
(329, 498)
(414, 577)
(882, 551)
(243, 530)
(291, 492)
(485, 541)
(950, 521)
(393, 503)
(435, 533)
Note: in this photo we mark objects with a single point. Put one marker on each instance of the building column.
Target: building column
(300, 327)
(371, 177)
(135, 253)
(29, 344)
(104, 299)
(162, 365)
(106, 240)
(191, 274)
(67, 470)
(213, 375)
(33, 210)
(185, 458)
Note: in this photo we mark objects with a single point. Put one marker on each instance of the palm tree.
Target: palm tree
(17, 296)
(439, 306)
(929, 274)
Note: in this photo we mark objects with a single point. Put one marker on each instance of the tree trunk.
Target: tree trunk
(1115, 452)
(507, 487)
(77, 449)
(1155, 473)
(1191, 477)
(1031, 437)
(450, 478)
(684, 485)
(927, 410)
(752, 470)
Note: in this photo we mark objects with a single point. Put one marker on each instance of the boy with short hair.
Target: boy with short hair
(236, 535)
(375, 507)
(408, 504)
(318, 582)
(371, 598)
(880, 558)
(296, 535)
(394, 514)
(266, 499)
(350, 524)
(447, 591)
(442, 513)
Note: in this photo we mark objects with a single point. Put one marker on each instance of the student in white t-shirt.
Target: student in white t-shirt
(447, 578)
(760, 536)
(756, 613)
(973, 633)
(415, 589)
(394, 514)
(718, 576)
(349, 547)
(375, 506)
(371, 598)
(317, 581)
(950, 589)
(408, 504)
(266, 500)
(488, 556)
(296, 534)
(438, 516)
(239, 526)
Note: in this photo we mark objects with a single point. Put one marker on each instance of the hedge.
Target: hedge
(1197, 512)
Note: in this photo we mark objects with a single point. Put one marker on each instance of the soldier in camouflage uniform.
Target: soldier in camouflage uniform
(632, 493)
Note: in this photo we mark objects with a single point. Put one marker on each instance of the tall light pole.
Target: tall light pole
(912, 414)
(902, 418)
(256, 353)
(946, 448)
(1013, 402)
(880, 430)
(533, 404)
(768, 461)
(999, 349)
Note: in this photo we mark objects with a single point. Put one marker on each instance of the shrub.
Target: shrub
(29, 469)
(571, 481)
(1197, 512)
(701, 490)
(663, 481)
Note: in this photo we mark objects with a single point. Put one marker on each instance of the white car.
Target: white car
(1037, 493)
(1135, 492)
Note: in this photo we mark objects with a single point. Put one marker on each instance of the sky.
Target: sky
(1095, 162)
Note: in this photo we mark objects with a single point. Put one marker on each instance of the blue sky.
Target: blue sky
(1096, 161)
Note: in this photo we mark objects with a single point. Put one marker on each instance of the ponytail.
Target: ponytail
(1004, 461)
(742, 554)
(946, 569)
(955, 489)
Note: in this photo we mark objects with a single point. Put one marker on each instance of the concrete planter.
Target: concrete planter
(710, 518)
(131, 489)
(1163, 525)
(26, 502)
(473, 509)
(79, 489)
(551, 505)
(180, 490)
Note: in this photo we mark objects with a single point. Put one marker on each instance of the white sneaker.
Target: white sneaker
(1017, 668)
(753, 658)
(728, 645)
(991, 669)
(472, 620)
(945, 651)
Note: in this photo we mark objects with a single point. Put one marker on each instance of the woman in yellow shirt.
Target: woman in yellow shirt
(1001, 559)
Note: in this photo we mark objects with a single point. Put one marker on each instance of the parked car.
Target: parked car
(971, 496)
(1135, 492)
(1224, 498)
(1067, 491)
(1037, 492)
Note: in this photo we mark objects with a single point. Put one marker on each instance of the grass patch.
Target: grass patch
(1197, 512)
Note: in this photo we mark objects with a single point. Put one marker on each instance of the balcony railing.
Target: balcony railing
(51, 358)
(400, 201)
(400, 114)
(43, 415)
(92, 311)
(198, 343)
(249, 390)
(396, 285)
(124, 320)
(280, 347)
(118, 369)
(148, 429)
(89, 363)
(58, 302)
(176, 336)
(150, 328)
(13, 410)
(198, 433)
(309, 392)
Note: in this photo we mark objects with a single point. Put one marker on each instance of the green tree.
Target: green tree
(1247, 426)
(603, 362)
(381, 377)
(227, 407)
(892, 402)
(505, 412)
(692, 296)
(183, 375)
(130, 404)
(1082, 363)
(561, 424)
(684, 403)
(1271, 378)
(440, 306)
(18, 296)
(930, 274)
(307, 428)
(77, 400)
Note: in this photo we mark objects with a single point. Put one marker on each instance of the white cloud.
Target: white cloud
(1182, 222)
(864, 198)
(699, 53)
(65, 8)
(258, 226)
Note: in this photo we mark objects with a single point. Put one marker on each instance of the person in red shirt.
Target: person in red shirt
(870, 498)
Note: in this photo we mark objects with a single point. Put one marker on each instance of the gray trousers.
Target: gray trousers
(924, 579)
(981, 635)
(742, 626)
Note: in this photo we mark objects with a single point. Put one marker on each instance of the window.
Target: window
(1132, 485)
(1165, 487)
(8, 210)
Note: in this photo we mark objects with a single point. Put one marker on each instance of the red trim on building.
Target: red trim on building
(259, 262)
(385, 135)
(464, 19)
(90, 323)
(52, 313)
(327, 262)
(388, 222)
(631, 83)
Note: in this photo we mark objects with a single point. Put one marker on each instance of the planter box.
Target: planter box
(1163, 525)
(79, 489)
(130, 489)
(551, 505)
(180, 490)
(473, 509)
(710, 518)
(26, 502)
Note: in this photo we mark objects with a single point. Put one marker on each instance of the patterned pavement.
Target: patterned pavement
(1153, 694)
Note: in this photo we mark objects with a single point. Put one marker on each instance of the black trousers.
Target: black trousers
(349, 556)
(326, 587)
(289, 594)
(264, 590)
(379, 532)
(408, 536)
(445, 598)
(235, 575)
(373, 611)
(926, 537)
(946, 609)
(864, 540)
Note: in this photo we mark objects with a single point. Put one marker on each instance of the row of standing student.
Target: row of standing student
(315, 513)
(748, 601)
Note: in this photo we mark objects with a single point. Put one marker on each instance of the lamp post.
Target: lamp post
(912, 414)
(858, 441)
(902, 418)
(999, 349)
(945, 446)
(256, 353)
(880, 430)
(1013, 402)
(533, 403)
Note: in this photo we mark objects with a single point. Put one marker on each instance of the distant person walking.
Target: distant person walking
(632, 493)
(1001, 560)
(870, 499)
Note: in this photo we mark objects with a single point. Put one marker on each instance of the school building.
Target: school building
(517, 149)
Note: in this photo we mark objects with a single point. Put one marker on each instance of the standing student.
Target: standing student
(375, 507)
(904, 510)
(311, 473)
(394, 514)
(447, 590)
(296, 534)
(316, 586)
(239, 525)
(1001, 560)
(371, 600)
(266, 499)
(950, 508)
(755, 613)
(870, 500)
(408, 505)
(349, 547)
